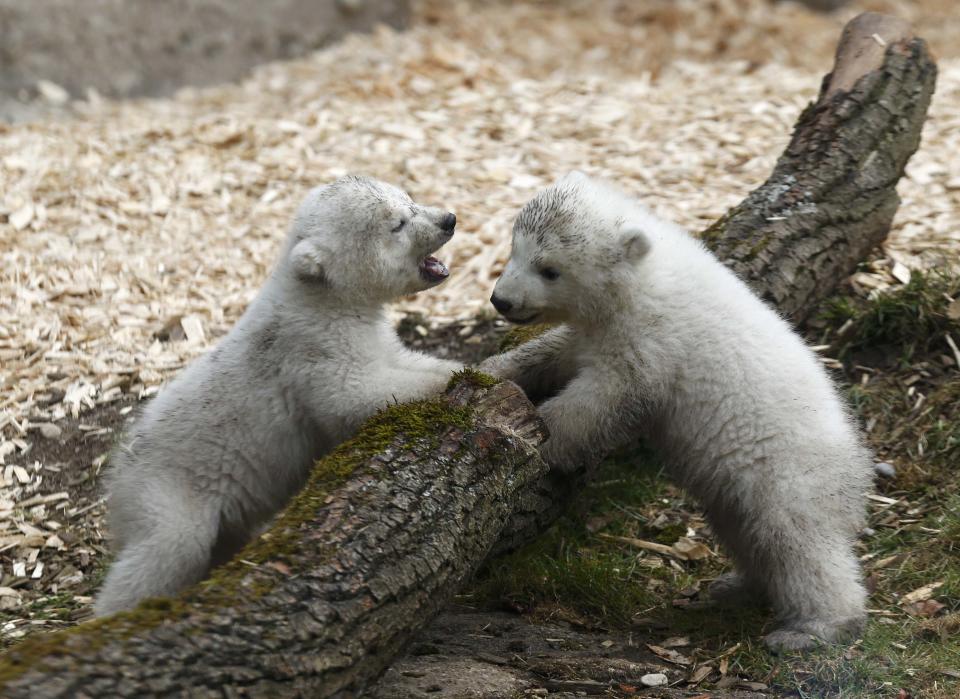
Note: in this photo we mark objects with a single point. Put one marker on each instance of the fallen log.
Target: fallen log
(388, 527)
(832, 195)
(392, 523)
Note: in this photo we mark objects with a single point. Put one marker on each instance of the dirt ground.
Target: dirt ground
(51, 50)
(496, 655)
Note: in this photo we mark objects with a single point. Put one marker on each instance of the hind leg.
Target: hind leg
(736, 589)
(169, 550)
(817, 593)
(794, 554)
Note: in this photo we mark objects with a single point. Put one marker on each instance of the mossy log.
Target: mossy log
(829, 202)
(387, 529)
(391, 524)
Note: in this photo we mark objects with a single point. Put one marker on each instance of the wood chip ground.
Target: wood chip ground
(132, 235)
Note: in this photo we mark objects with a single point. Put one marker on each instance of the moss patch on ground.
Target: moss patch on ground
(898, 342)
(572, 571)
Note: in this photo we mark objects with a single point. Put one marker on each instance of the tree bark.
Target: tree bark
(832, 195)
(386, 531)
(392, 523)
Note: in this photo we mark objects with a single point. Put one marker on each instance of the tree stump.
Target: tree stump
(394, 521)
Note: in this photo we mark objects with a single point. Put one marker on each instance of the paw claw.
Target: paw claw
(790, 640)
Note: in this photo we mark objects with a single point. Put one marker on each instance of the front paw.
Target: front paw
(558, 456)
(790, 640)
(494, 366)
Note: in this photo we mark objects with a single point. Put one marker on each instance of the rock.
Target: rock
(656, 679)
(8, 603)
(884, 470)
(52, 93)
(49, 430)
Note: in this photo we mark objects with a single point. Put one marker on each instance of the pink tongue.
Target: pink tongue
(434, 267)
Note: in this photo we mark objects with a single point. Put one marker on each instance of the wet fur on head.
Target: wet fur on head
(587, 236)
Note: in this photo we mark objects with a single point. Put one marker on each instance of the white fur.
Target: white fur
(660, 340)
(223, 447)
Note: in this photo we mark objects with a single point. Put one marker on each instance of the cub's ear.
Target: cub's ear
(306, 260)
(636, 244)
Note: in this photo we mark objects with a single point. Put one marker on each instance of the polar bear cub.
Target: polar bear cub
(660, 340)
(224, 446)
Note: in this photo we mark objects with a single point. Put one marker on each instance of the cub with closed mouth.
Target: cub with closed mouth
(658, 339)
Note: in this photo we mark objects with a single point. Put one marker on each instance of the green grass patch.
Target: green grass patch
(910, 394)
(908, 320)
(572, 569)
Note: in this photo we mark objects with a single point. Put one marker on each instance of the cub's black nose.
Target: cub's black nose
(448, 223)
(500, 304)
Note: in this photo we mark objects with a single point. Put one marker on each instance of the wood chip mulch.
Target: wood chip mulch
(133, 235)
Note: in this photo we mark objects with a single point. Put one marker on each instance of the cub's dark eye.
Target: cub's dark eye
(399, 226)
(549, 273)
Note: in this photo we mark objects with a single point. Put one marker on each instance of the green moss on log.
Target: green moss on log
(421, 423)
(472, 377)
(88, 637)
(523, 334)
(718, 233)
(718, 230)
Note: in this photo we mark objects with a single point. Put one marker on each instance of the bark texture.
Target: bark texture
(832, 195)
(830, 200)
(388, 528)
(395, 520)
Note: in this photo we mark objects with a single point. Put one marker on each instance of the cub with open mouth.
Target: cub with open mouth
(225, 445)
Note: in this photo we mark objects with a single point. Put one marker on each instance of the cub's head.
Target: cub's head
(574, 246)
(367, 240)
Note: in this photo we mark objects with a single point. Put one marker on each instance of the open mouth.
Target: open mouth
(433, 270)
